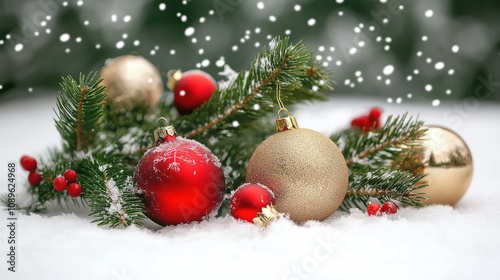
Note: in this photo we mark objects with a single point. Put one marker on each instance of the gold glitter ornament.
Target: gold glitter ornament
(447, 163)
(305, 170)
(131, 80)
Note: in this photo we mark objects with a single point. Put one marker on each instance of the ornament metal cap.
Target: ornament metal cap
(286, 123)
(266, 216)
(162, 132)
(173, 77)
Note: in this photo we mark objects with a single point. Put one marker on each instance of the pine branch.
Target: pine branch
(80, 108)
(252, 93)
(381, 147)
(109, 192)
(374, 161)
(383, 184)
(44, 195)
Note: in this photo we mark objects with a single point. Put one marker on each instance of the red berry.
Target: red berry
(389, 207)
(373, 209)
(362, 122)
(70, 175)
(375, 113)
(34, 179)
(60, 183)
(74, 189)
(28, 163)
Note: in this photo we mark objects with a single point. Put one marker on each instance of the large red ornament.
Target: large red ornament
(191, 89)
(180, 180)
(248, 201)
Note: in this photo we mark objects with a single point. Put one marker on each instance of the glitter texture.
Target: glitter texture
(305, 170)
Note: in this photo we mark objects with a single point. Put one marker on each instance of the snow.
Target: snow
(116, 198)
(437, 242)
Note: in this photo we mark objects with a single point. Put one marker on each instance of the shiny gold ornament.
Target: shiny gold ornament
(131, 80)
(447, 162)
(305, 170)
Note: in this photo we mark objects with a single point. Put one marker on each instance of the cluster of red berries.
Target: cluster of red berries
(60, 183)
(29, 164)
(374, 209)
(68, 182)
(367, 122)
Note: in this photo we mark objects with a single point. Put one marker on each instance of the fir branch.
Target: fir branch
(44, 195)
(383, 184)
(380, 147)
(109, 193)
(80, 108)
(374, 161)
(252, 93)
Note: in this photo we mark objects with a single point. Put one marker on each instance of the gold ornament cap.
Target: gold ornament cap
(173, 77)
(286, 123)
(163, 131)
(266, 216)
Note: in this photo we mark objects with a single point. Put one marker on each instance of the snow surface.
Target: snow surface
(437, 242)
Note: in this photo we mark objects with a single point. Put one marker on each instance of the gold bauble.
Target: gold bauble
(130, 81)
(305, 170)
(447, 163)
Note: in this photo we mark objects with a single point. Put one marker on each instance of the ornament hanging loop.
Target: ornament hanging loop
(163, 131)
(285, 123)
(164, 120)
(283, 110)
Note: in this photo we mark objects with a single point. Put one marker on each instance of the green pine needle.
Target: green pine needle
(109, 192)
(80, 108)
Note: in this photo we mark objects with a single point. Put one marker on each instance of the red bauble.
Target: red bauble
(249, 199)
(74, 189)
(60, 183)
(192, 90)
(389, 207)
(180, 181)
(28, 163)
(373, 209)
(34, 179)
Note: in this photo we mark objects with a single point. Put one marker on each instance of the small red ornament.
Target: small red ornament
(373, 208)
(389, 207)
(191, 89)
(60, 183)
(34, 179)
(70, 175)
(28, 163)
(367, 122)
(180, 180)
(249, 199)
(74, 189)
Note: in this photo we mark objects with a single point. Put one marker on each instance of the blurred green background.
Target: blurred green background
(401, 51)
